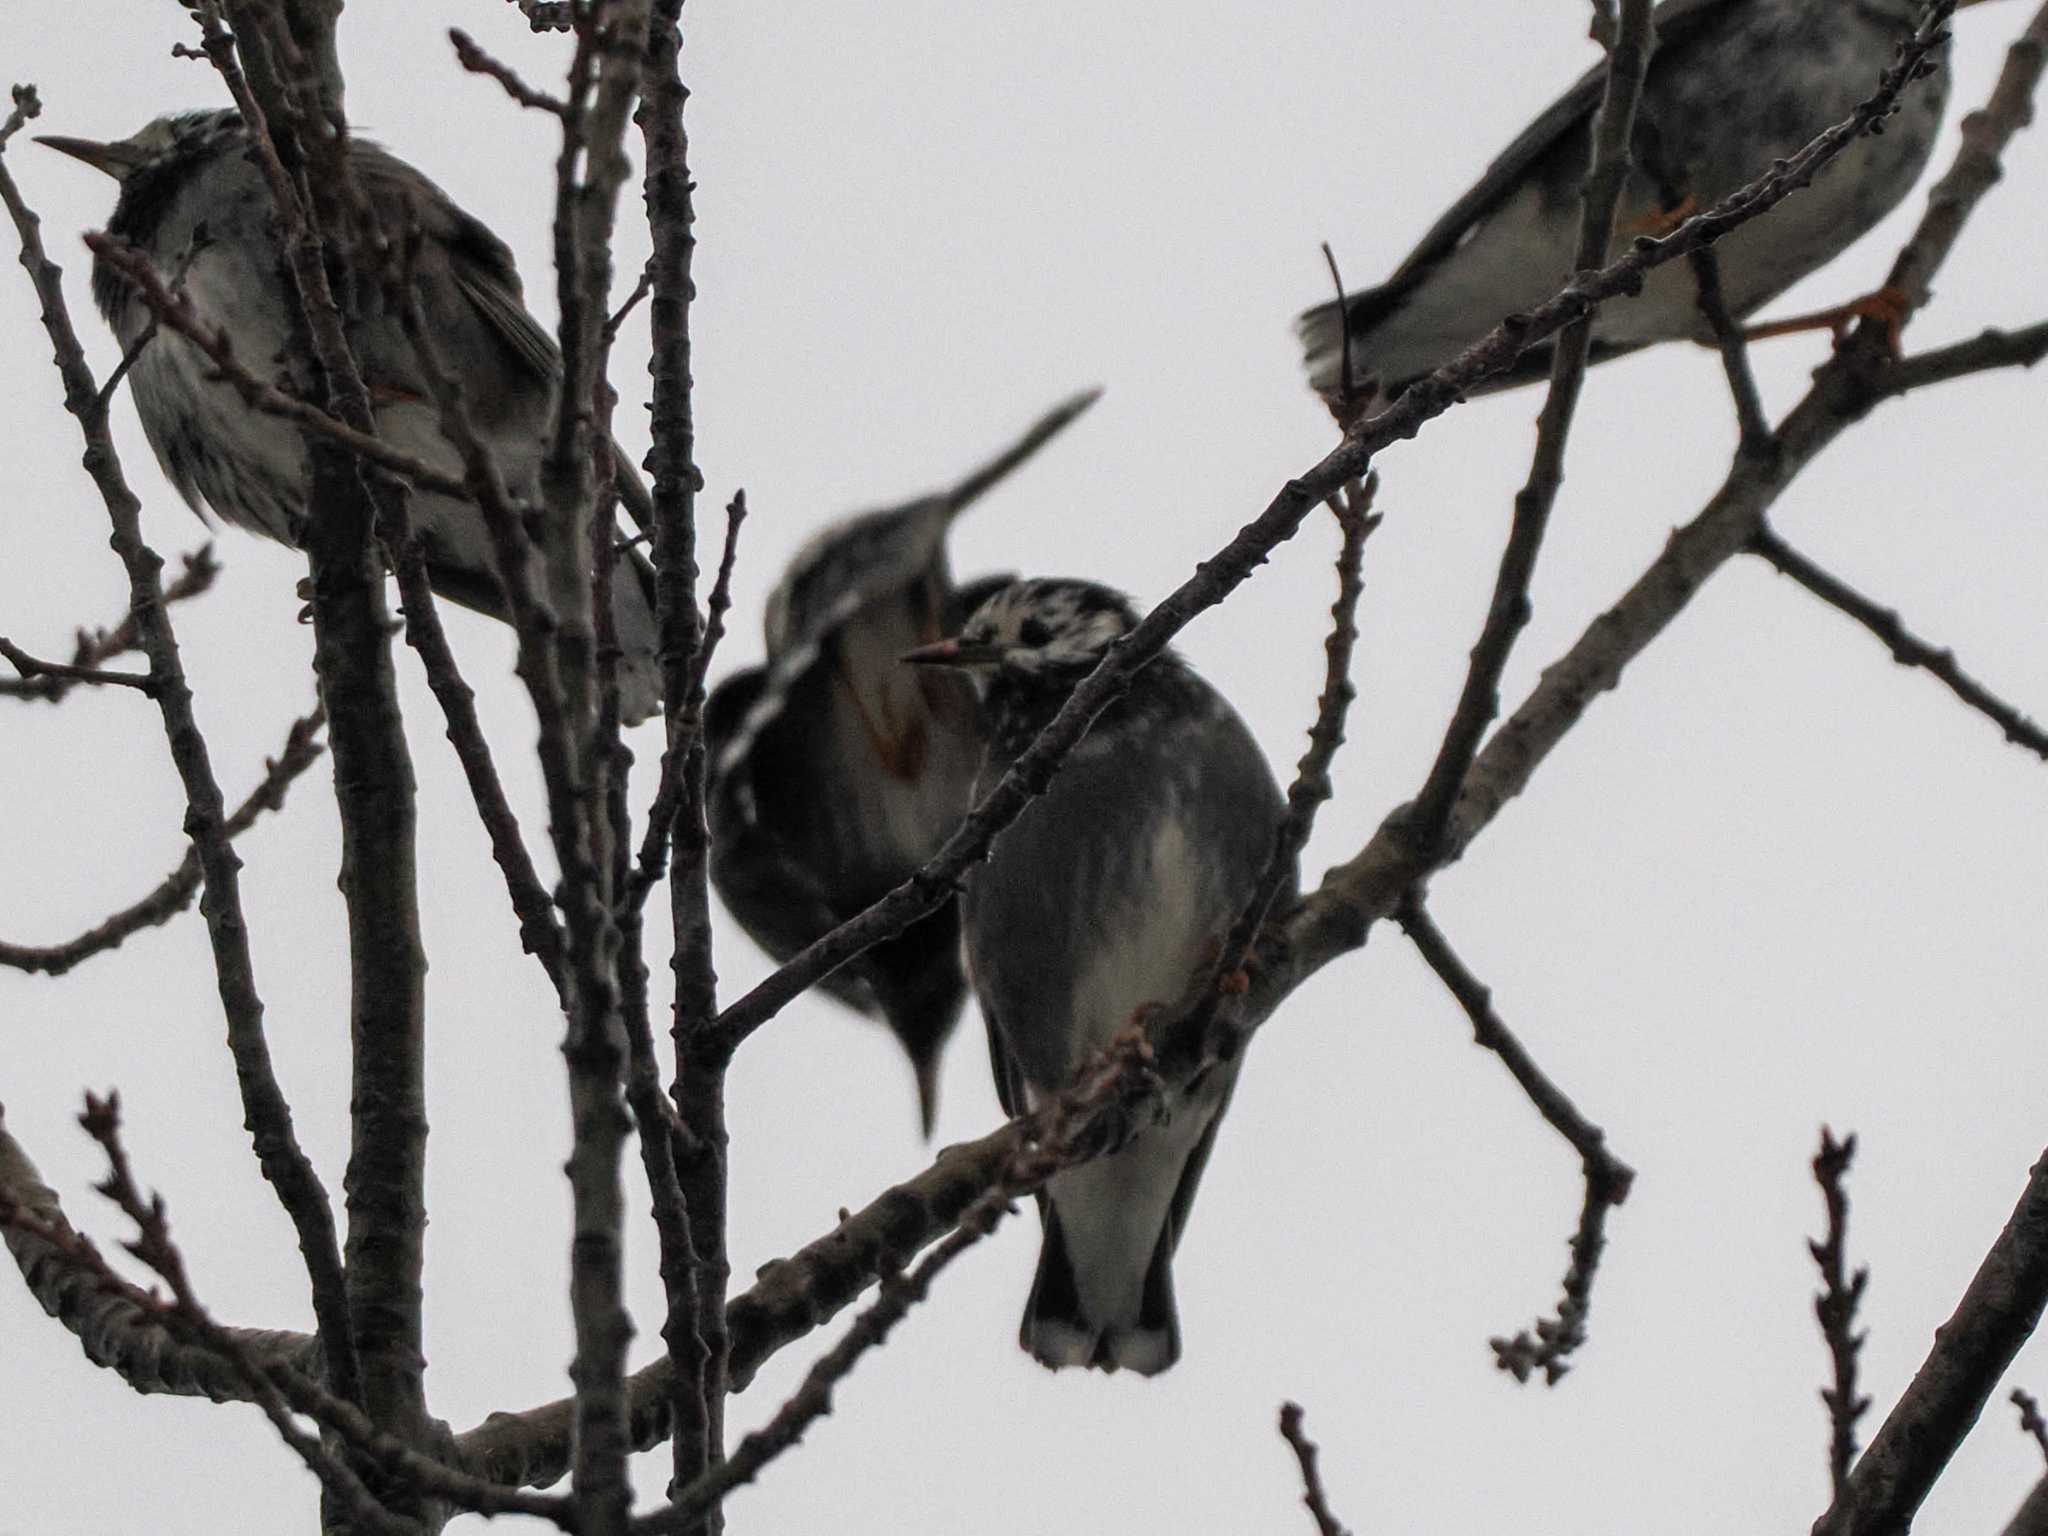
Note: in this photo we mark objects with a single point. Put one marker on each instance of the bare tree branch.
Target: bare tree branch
(1835, 1306)
(1317, 1502)
(591, 170)
(153, 1246)
(1311, 787)
(1990, 349)
(478, 62)
(1907, 649)
(813, 1399)
(1971, 1351)
(116, 1331)
(661, 815)
(700, 1345)
(175, 892)
(1752, 424)
(1976, 169)
(2030, 1417)
(1508, 612)
(92, 650)
(33, 668)
(799, 1294)
(268, 1115)
(1608, 1179)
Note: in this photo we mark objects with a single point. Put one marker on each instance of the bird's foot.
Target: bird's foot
(1889, 306)
(1659, 222)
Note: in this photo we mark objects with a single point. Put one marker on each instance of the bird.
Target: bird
(192, 202)
(833, 772)
(1732, 86)
(1097, 905)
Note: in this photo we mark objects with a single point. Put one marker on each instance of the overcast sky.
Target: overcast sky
(1771, 882)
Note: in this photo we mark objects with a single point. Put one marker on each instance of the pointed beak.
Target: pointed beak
(951, 653)
(116, 159)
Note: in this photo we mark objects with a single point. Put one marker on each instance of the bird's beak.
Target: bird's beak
(951, 653)
(116, 159)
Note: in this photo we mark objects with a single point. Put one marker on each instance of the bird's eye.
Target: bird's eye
(1033, 632)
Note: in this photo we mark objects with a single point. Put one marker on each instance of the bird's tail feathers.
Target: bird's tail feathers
(1058, 1330)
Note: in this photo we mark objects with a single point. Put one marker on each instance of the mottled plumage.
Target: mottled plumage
(1733, 85)
(835, 771)
(1104, 897)
(194, 204)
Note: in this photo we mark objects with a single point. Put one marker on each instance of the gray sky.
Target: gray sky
(1774, 880)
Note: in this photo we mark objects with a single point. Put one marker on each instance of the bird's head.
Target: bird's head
(182, 136)
(1045, 629)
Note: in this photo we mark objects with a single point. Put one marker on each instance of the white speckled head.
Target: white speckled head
(1034, 628)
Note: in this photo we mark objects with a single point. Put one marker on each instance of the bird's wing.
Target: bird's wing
(1675, 20)
(481, 264)
(1010, 1090)
(1198, 1159)
(776, 897)
(487, 278)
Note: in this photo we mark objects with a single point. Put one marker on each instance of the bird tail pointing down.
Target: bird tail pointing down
(1060, 1329)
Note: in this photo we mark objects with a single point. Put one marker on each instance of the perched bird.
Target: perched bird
(192, 202)
(1097, 903)
(1732, 86)
(835, 772)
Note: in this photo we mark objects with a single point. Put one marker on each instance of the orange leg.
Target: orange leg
(1889, 306)
(1659, 222)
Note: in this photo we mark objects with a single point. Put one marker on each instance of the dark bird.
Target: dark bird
(835, 772)
(1733, 85)
(193, 203)
(1097, 904)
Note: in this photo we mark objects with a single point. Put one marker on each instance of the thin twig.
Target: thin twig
(652, 863)
(813, 1399)
(153, 1246)
(1989, 349)
(1971, 1351)
(1549, 1347)
(1835, 1306)
(1508, 612)
(91, 650)
(478, 62)
(117, 1330)
(631, 302)
(31, 668)
(1754, 427)
(175, 891)
(160, 1347)
(1318, 1503)
(1907, 649)
(2031, 1421)
(1065, 1131)
(1311, 788)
